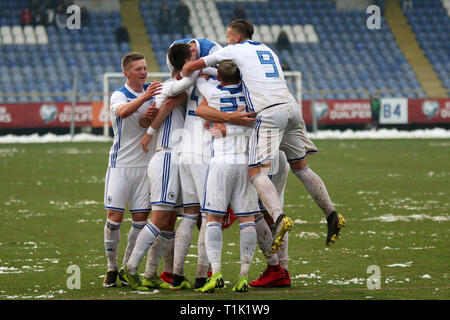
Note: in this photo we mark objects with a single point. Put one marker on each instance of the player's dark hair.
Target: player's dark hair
(242, 27)
(130, 57)
(178, 53)
(228, 72)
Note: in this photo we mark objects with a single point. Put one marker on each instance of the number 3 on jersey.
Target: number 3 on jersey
(265, 57)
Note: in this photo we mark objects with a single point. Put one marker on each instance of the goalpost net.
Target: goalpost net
(115, 80)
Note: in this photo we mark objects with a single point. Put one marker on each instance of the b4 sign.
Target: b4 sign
(394, 111)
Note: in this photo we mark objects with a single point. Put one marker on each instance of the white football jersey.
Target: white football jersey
(170, 132)
(196, 138)
(126, 150)
(262, 77)
(227, 99)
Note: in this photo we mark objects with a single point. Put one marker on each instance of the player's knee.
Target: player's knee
(140, 216)
(262, 169)
(194, 210)
(214, 218)
(114, 215)
(243, 219)
(298, 164)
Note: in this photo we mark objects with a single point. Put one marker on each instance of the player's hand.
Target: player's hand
(217, 130)
(144, 142)
(151, 112)
(153, 90)
(242, 118)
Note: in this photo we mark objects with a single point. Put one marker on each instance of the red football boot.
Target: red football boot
(285, 282)
(228, 219)
(166, 277)
(270, 275)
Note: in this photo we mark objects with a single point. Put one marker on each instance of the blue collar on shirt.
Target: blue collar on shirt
(255, 43)
(130, 95)
(232, 90)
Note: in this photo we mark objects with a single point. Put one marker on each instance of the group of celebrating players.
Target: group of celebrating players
(212, 144)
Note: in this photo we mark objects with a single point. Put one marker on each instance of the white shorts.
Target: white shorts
(164, 180)
(127, 186)
(278, 177)
(279, 127)
(193, 169)
(228, 183)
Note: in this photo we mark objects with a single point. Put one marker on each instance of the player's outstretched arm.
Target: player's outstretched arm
(127, 109)
(182, 85)
(211, 114)
(191, 66)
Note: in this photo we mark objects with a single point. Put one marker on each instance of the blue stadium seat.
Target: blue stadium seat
(347, 56)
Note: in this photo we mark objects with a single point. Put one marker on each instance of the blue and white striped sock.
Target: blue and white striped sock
(213, 244)
(136, 227)
(144, 241)
(316, 188)
(183, 242)
(264, 238)
(202, 260)
(248, 246)
(157, 251)
(268, 195)
(111, 240)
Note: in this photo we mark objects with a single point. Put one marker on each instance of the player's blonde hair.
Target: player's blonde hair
(130, 57)
(228, 72)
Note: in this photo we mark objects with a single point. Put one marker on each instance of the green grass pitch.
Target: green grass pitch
(395, 195)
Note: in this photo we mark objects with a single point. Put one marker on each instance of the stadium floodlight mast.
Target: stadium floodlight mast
(104, 114)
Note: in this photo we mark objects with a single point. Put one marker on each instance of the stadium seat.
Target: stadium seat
(42, 39)
(334, 45)
(19, 39)
(16, 31)
(30, 39)
(40, 29)
(312, 37)
(5, 29)
(27, 30)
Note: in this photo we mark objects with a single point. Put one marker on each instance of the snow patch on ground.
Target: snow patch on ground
(435, 133)
(415, 217)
